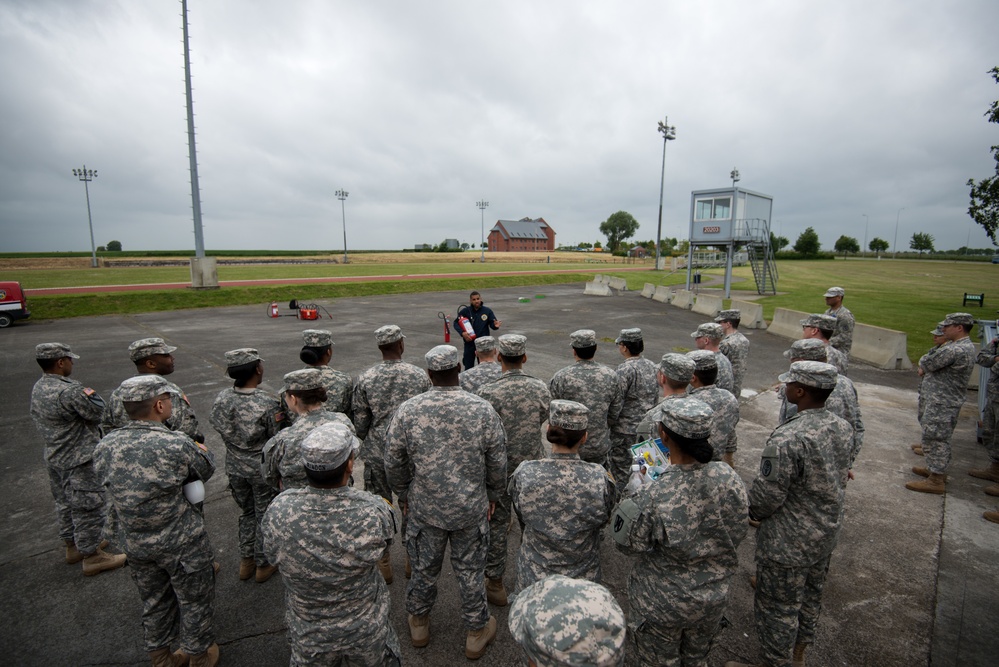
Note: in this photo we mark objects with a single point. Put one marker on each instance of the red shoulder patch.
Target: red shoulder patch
(88, 391)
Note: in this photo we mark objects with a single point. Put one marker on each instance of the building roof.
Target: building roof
(524, 228)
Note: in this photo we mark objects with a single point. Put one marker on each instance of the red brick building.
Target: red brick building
(521, 235)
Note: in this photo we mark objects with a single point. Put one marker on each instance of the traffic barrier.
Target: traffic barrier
(594, 288)
(662, 294)
(683, 299)
(617, 283)
(751, 314)
(648, 290)
(707, 304)
(877, 346)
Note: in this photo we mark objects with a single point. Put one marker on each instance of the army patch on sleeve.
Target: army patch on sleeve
(88, 391)
(768, 463)
(279, 416)
(624, 516)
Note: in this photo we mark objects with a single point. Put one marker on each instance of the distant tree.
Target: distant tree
(484, 244)
(846, 244)
(585, 245)
(807, 243)
(101, 248)
(114, 246)
(465, 246)
(597, 245)
(984, 207)
(877, 246)
(921, 241)
(778, 243)
(618, 227)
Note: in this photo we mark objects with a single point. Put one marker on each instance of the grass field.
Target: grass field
(905, 295)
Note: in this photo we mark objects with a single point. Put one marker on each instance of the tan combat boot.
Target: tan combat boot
(991, 473)
(99, 561)
(992, 516)
(478, 640)
(265, 572)
(385, 567)
(992, 490)
(73, 555)
(752, 581)
(495, 592)
(798, 658)
(922, 471)
(164, 658)
(209, 658)
(419, 630)
(247, 568)
(729, 458)
(934, 483)
(917, 450)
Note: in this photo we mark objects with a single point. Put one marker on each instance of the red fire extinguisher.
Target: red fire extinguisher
(447, 329)
(274, 309)
(466, 325)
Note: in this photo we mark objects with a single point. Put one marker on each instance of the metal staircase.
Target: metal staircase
(761, 255)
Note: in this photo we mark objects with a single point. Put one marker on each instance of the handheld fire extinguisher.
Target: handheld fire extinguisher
(274, 309)
(447, 329)
(466, 325)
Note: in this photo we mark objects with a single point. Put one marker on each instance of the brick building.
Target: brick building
(521, 235)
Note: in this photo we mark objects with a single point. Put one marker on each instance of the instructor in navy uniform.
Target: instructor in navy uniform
(482, 319)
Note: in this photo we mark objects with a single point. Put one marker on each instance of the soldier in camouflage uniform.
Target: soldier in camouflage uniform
(798, 496)
(566, 541)
(938, 339)
(316, 353)
(640, 391)
(842, 338)
(563, 621)
(842, 402)
(945, 376)
(327, 539)
(987, 358)
(821, 327)
(282, 456)
(246, 416)
(735, 346)
(685, 529)
(597, 387)
(673, 375)
(378, 392)
(703, 387)
(708, 336)
(66, 415)
(522, 403)
(446, 455)
(486, 370)
(145, 467)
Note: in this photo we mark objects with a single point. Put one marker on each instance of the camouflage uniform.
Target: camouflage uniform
(726, 376)
(837, 359)
(327, 542)
(842, 338)
(339, 393)
(723, 437)
(990, 417)
(144, 466)
(798, 496)
(66, 415)
(522, 404)
(282, 456)
(640, 391)
(735, 346)
(944, 388)
(480, 375)
(920, 399)
(246, 419)
(566, 541)
(182, 418)
(445, 453)
(563, 621)
(842, 402)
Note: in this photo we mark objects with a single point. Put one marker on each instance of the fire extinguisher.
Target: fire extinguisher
(274, 309)
(447, 329)
(466, 325)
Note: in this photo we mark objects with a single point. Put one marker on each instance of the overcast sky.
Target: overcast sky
(420, 109)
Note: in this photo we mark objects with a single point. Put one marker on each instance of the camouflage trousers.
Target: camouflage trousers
(653, 644)
(786, 606)
(79, 502)
(383, 653)
(938, 426)
(990, 428)
(252, 495)
(178, 601)
(619, 458)
(425, 546)
(499, 526)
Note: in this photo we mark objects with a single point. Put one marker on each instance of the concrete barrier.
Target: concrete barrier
(648, 290)
(617, 283)
(707, 304)
(662, 294)
(683, 299)
(751, 314)
(594, 288)
(880, 347)
(600, 278)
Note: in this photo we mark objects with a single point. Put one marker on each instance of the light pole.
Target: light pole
(669, 133)
(87, 175)
(342, 195)
(482, 204)
(866, 221)
(734, 176)
(894, 245)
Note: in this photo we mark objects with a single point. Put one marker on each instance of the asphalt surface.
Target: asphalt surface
(912, 582)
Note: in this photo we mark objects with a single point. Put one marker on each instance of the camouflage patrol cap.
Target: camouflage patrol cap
(959, 318)
(583, 338)
(147, 347)
(938, 331)
(729, 315)
(485, 344)
(629, 336)
(704, 360)
(388, 334)
(688, 417)
(512, 345)
(807, 349)
(834, 291)
(317, 337)
(303, 380)
(442, 358)
(563, 621)
(327, 446)
(243, 355)
(142, 388)
(811, 374)
(819, 321)
(568, 414)
(677, 367)
(54, 351)
(709, 329)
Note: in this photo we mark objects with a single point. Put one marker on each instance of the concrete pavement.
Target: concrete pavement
(913, 581)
